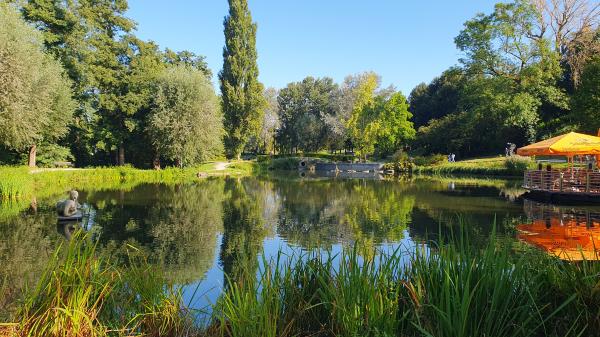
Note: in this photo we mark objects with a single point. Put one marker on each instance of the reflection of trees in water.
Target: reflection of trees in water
(185, 225)
(244, 225)
(441, 207)
(26, 244)
(321, 213)
(176, 226)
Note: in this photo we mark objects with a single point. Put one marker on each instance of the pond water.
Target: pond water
(200, 231)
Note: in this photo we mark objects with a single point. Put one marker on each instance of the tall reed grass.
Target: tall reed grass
(83, 293)
(447, 289)
(14, 183)
(452, 289)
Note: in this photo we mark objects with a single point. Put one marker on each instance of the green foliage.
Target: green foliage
(83, 294)
(437, 99)
(395, 129)
(493, 166)
(586, 101)
(264, 141)
(35, 95)
(184, 97)
(363, 124)
(15, 182)
(517, 165)
(50, 153)
(430, 160)
(379, 120)
(511, 87)
(446, 291)
(242, 93)
(303, 109)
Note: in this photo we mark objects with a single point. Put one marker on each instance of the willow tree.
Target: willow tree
(242, 93)
(185, 123)
(35, 95)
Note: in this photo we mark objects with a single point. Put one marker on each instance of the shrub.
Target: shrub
(517, 164)
(50, 154)
(430, 160)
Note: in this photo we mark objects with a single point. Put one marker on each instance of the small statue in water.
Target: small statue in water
(68, 207)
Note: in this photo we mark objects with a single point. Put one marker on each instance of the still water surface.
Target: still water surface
(200, 231)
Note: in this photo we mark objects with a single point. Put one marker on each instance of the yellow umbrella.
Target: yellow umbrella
(569, 145)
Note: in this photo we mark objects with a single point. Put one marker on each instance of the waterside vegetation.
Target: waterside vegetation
(22, 182)
(444, 289)
(493, 166)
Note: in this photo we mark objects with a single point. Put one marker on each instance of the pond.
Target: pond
(201, 231)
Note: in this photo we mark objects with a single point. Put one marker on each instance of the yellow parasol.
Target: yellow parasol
(569, 144)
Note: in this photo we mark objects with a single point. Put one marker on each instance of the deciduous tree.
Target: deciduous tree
(185, 124)
(35, 94)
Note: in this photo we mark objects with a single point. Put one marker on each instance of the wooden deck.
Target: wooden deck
(572, 181)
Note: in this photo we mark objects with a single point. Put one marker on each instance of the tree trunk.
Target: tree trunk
(121, 157)
(156, 162)
(32, 154)
(34, 205)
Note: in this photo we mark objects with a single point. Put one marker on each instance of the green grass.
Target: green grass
(22, 183)
(493, 166)
(14, 183)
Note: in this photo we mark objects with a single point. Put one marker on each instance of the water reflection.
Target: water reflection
(566, 232)
(200, 232)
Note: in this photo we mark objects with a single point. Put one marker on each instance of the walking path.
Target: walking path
(221, 165)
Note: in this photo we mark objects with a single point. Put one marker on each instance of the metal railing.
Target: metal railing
(571, 180)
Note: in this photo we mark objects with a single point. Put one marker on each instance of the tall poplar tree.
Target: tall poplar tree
(243, 101)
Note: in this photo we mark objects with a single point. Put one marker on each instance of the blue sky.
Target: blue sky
(405, 41)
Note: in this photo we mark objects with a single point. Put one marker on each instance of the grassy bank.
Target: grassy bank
(494, 166)
(22, 183)
(450, 290)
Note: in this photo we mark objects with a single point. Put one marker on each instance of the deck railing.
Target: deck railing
(573, 181)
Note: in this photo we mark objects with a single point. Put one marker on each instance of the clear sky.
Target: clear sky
(405, 41)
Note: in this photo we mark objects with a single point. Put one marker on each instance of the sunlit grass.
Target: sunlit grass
(492, 166)
(22, 183)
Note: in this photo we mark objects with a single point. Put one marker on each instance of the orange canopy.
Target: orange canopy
(569, 144)
(568, 241)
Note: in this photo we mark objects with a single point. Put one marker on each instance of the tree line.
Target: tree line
(529, 70)
(76, 84)
(318, 114)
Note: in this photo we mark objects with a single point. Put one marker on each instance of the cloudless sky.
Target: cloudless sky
(405, 41)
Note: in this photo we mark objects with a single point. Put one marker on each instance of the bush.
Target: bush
(430, 160)
(517, 164)
(50, 154)
(401, 162)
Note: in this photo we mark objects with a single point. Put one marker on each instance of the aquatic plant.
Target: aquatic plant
(450, 288)
(83, 293)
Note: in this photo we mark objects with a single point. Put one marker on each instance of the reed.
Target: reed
(451, 288)
(14, 183)
(83, 293)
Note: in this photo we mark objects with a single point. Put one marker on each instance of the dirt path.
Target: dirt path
(221, 166)
(39, 170)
